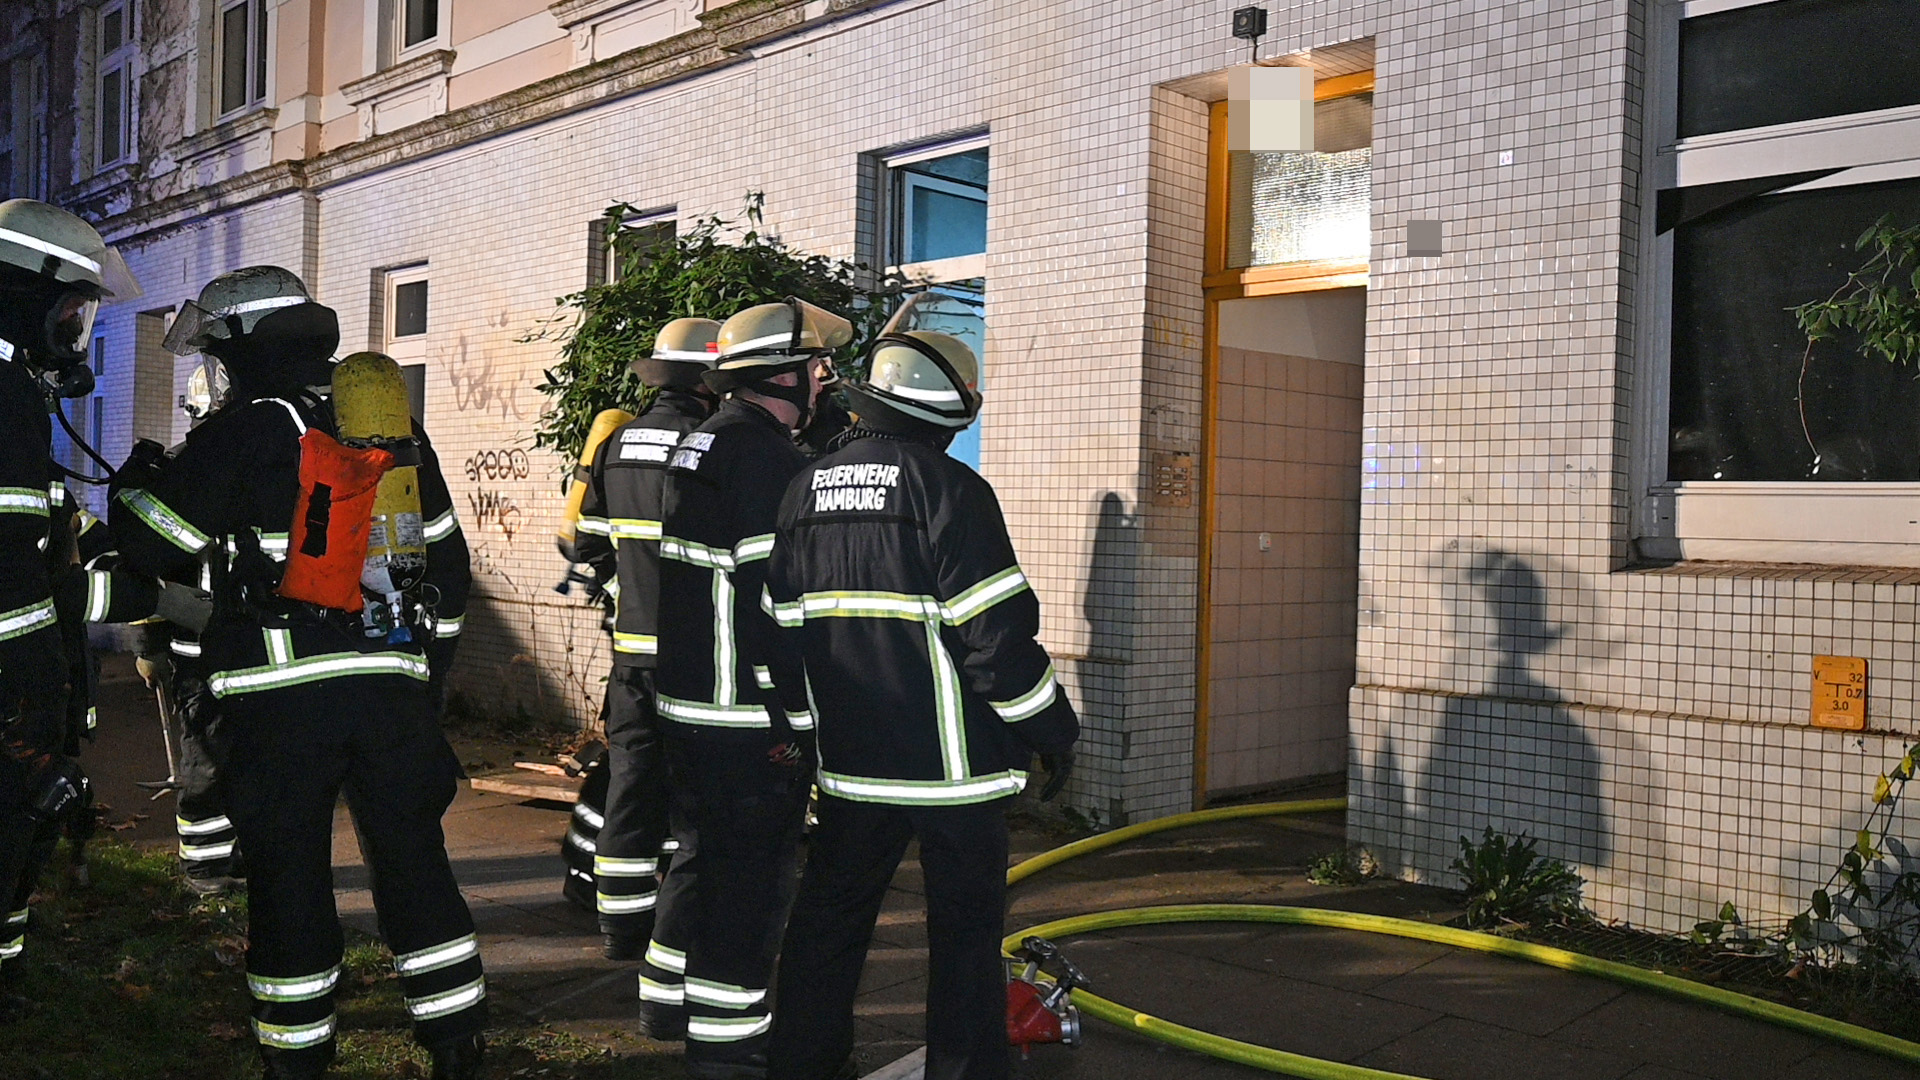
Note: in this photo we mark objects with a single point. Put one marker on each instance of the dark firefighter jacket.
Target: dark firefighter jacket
(892, 569)
(619, 531)
(230, 494)
(723, 662)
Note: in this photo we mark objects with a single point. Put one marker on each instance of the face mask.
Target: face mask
(70, 325)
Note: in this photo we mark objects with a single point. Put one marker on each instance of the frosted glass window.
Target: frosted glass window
(1307, 207)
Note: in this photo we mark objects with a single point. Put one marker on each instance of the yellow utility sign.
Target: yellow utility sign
(1840, 692)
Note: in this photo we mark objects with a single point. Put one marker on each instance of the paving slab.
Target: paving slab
(1456, 1048)
(1513, 994)
(1670, 1034)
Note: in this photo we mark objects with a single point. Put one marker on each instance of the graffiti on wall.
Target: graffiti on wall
(495, 510)
(498, 465)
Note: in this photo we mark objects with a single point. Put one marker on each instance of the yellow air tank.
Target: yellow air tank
(604, 425)
(370, 403)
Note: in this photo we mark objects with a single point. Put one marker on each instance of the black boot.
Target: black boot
(296, 1064)
(663, 1023)
(458, 1059)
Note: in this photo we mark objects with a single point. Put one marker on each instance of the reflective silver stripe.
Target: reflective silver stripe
(581, 842)
(753, 548)
(593, 526)
(588, 814)
(184, 648)
(17, 500)
(162, 519)
(314, 668)
(762, 677)
(293, 1036)
(633, 529)
(800, 721)
(247, 307)
(757, 343)
(786, 614)
(687, 551)
(725, 692)
(279, 645)
(723, 995)
(205, 852)
(973, 601)
(669, 845)
(666, 959)
(441, 527)
(623, 905)
(201, 828)
(25, 620)
(925, 792)
(302, 988)
(713, 1029)
(663, 993)
(948, 712)
(608, 866)
(47, 247)
(17, 918)
(93, 718)
(291, 411)
(685, 354)
(700, 712)
(637, 644)
(865, 605)
(11, 949)
(274, 546)
(446, 954)
(449, 627)
(99, 594)
(464, 996)
(1031, 703)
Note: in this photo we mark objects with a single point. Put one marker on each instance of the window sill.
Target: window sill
(935, 271)
(1773, 571)
(1802, 523)
(225, 132)
(105, 178)
(406, 93)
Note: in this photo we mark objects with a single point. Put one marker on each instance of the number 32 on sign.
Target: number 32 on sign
(1840, 692)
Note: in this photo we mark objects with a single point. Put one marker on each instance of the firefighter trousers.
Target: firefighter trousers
(745, 816)
(293, 751)
(626, 861)
(851, 858)
(200, 815)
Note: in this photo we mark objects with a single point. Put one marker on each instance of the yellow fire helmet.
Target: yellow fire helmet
(923, 375)
(772, 339)
(683, 351)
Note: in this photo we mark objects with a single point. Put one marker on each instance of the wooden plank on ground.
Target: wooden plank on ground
(529, 785)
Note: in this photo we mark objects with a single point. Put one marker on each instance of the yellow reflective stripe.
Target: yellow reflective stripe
(947, 710)
(725, 690)
(762, 677)
(162, 519)
(713, 1029)
(441, 527)
(201, 828)
(972, 601)
(607, 904)
(592, 526)
(1031, 703)
(788, 613)
(19, 500)
(662, 993)
(711, 715)
(314, 668)
(184, 648)
(300, 988)
(633, 529)
(205, 852)
(17, 918)
(722, 995)
(25, 620)
(435, 957)
(753, 548)
(99, 594)
(686, 551)
(293, 1036)
(638, 644)
(858, 605)
(279, 646)
(588, 814)
(464, 996)
(449, 627)
(800, 720)
(666, 959)
(923, 792)
(274, 545)
(609, 866)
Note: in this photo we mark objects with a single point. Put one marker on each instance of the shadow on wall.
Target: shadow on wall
(1516, 758)
(1112, 575)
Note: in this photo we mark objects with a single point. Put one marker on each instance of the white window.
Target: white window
(405, 330)
(619, 243)
(1782, 130)
(115, 46)
(416, 26)
(243, 48)
(936, 208)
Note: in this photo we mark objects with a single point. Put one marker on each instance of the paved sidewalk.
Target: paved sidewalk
(1383, 1002)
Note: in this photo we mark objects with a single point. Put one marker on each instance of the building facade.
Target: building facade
(1439, 456)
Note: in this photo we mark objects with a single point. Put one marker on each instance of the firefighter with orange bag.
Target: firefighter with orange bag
(339, 580)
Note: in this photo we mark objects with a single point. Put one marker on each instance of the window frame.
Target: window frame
(257, 60)
(117, 60)
(897, 210)
(1811, 521)
(669, 217)
(397, 30)
(411, 348)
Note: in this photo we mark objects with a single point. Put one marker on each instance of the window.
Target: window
(113, 83)
(416, 24)
(936, 202)
(1755, 446)
(242, 46)
(619, 245)
(1306, 206)
(28, 97)
(99, 357)
(405, 304)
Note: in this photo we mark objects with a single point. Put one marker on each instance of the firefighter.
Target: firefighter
(54, 272)
(619, 536)
(318, 698)
(893, 572)
(738, 727)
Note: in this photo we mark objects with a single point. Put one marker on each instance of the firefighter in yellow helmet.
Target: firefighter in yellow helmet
(893, 574)
(730, 688)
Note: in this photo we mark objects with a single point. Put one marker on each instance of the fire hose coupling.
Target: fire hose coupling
(1041, 1010)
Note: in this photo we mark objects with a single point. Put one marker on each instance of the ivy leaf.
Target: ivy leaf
(1863, 843)
(1882, 790)
(1822, 905)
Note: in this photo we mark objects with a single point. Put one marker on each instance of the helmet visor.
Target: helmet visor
(816, 328)
(117, 279)
(189, 330)
(70, 324)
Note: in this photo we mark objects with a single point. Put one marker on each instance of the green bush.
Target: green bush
(1507, 882)
(715, 269)
(1348, 866)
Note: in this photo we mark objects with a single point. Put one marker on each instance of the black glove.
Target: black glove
(185, 606)
(142, 468)
(1058, 766)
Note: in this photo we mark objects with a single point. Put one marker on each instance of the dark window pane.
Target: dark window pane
(1737, 351)
(112, 30)
(259, 50)
(968, 167)
(112, 116)
(410, 309)
(416, 379)
(945, 225)
(233, 58)
(98, 414)
(423, 21)
(635, 245)
(100, 356)
(1796, 60)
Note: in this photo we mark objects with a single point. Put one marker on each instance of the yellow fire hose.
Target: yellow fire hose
(1310, 1068)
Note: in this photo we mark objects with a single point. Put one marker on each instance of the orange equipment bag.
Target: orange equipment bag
(328, 542)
